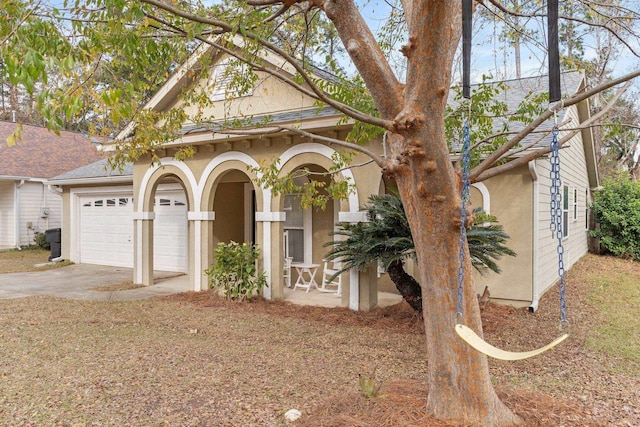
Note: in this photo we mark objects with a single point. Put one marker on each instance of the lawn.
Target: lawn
(194, 360)
(15, 261)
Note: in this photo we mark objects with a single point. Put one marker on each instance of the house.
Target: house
(212, 197)
(27, 204)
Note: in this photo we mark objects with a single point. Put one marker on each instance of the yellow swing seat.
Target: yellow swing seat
(484, 347)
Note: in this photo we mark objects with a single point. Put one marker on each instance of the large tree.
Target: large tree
(410, 111)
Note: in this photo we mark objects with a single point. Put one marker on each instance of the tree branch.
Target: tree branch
(315, 91)
(366, 55)
(567, 102)
(268, 130)
(568, 18)
(521, 161)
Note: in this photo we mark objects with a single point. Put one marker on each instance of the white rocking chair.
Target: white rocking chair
(335, 285)
(286, 271)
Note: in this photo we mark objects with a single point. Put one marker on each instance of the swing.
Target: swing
(466, 333)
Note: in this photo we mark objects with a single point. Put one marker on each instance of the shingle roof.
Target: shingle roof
(97, 169)
(516, 91)
(43, 154)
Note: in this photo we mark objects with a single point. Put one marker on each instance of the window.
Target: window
(565, 211)
(221, 81)
(296, 226)
(586, 208)
(111, 202)
(575, 204)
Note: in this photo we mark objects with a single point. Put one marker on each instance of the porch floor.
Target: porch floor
(181, 283)
(324, 299)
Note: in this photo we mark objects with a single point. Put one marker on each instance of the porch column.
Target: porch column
(362, 293)
(143, 238)
(272, 252)
(199, 238)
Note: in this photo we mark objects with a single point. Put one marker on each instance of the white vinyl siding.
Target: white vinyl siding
(34, 196)
(573, 172)
(7, 235)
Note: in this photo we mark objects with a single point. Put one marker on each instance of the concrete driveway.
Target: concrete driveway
(79, 281)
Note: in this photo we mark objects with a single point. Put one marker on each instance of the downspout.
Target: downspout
(54, 189)
(534, 261)
(16, 213)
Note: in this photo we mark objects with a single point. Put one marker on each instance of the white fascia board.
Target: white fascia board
(106, 180)
(210, 136)
(14, 178)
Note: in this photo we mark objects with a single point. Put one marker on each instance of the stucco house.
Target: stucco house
(184, 208)
(27, 204)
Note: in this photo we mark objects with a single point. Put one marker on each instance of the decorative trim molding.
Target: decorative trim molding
(270, 216)
(352, 217)
(144, 216)
(201, 216)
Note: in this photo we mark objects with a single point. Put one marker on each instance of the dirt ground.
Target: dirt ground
(194, 360)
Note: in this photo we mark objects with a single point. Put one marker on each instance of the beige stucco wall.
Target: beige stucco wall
(511, 202)
(229, 208)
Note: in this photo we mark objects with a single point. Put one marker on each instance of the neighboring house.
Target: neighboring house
(27, 204)
(213, 198)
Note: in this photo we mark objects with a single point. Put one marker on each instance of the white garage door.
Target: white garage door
(106, 231)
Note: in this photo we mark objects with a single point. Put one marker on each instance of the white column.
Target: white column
(197, 218)
(267, 218)
(354, 277)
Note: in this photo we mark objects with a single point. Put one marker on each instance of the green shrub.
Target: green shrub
(616, 209)
(41, 241)
(234, 273)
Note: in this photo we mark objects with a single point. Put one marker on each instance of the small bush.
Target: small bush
(40, 240)
(234, 274)
(617, 211)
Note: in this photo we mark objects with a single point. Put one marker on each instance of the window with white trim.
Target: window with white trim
(297, 227)
(586, 208)
(575, 204)
(565, 211)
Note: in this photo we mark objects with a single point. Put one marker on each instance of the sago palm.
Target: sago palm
(386, 239)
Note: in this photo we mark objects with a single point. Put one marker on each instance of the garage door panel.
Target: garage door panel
(106, 231)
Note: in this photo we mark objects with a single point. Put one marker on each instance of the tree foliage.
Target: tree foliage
(111, 52)
(616, 208)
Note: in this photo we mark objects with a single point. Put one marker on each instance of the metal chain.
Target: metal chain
(466, 157)
(557, 220)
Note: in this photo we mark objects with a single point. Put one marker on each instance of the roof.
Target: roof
(43, 154)
(515, 92)
(99, 169)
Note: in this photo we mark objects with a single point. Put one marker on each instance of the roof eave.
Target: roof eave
(121, 179)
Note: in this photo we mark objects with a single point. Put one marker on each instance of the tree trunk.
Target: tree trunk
(460, 388)
(408, 287)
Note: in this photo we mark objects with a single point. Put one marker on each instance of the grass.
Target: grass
(15, 261)
(617, 297)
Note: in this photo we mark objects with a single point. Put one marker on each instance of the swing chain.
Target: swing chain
(466, 157)
(557, 221)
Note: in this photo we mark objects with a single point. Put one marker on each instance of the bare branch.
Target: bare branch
(567, 102)
(270, 130)
(315, 92)
(571, 18)
(366, 55)
(521, 161)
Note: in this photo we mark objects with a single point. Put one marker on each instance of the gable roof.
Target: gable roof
(43, 154)
(95, 172)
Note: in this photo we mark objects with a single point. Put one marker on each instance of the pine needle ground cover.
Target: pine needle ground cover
(196, 360)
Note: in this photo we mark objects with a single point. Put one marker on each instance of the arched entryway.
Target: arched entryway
(162, 234)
